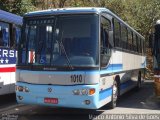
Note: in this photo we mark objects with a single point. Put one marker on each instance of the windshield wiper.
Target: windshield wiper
(64, 51)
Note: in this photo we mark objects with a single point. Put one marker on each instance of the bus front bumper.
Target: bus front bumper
(58, 95)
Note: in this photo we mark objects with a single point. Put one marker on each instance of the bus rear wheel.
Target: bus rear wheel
(114, 98)
(139, 82)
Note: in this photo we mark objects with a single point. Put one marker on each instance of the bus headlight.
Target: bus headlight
(26, 89)
(84, 92)
(19, 88)
(76, 92)
(22, 89)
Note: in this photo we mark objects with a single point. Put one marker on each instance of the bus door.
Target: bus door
(105, 52)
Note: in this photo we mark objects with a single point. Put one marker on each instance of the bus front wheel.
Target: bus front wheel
(114, 98)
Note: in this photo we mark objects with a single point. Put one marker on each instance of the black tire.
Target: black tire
(139, 82)
(115, 92)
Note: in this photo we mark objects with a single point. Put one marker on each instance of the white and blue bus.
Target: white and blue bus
(77, 58)
(10, 31)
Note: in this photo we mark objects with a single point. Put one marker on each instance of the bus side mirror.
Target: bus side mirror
(111, 38)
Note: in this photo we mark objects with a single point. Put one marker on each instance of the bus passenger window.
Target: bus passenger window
(140, 45)
(124, 36)
(137, 44)
(134, 43)
(117, 33)
(4, 34)
(12, 40)
(1, 36)
(130, 45)
(17, 35)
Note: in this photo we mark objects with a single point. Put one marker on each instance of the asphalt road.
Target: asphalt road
(131, 103)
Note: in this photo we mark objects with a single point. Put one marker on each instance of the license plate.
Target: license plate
(51, 100)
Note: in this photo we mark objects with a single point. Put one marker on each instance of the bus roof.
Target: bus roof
(77, 10)
(10, 18)
(73, 10)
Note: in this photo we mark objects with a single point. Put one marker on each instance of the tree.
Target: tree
(18, 7)
(5, 5)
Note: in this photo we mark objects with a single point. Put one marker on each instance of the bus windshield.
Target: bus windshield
(63, 40)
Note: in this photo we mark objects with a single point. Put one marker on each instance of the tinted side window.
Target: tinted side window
(134, 43)
(124, 36)
(130, 46)
(139, 45)
(17, 35)
(15, 38)
(4, 34)
(117, 33)
(143, 47)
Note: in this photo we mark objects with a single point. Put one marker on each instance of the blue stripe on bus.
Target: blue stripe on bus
(105, 93)
(115, 66)
(126, 84)
(112, 68)
(108, 92)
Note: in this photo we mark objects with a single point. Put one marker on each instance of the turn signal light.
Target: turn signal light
(91, 91)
